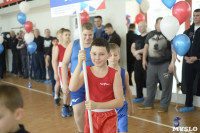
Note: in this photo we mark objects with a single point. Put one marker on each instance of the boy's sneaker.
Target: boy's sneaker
(186, 109)
(57, 101)
(135, 100)
(71, 108)
(69, 112)
(64, 111)
(162, 110)
(145, 107)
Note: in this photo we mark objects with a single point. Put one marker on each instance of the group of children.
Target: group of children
(108, 83)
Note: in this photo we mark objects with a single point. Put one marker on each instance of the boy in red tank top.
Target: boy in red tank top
(58, 58)
(105, 87)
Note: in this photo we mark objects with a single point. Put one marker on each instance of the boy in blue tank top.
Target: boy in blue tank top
(71, 55)
(123, 111)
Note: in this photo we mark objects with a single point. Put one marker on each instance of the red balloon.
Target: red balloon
(28, 26)
(139, 17)
(181, 11)
(84, 17)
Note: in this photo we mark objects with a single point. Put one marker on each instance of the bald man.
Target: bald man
(137, 51)
(38, 58)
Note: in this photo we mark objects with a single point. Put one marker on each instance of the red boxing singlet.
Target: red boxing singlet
(61, 52)
(60, 59)
(101, 89)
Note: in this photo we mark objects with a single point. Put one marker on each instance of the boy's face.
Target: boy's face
(87, 36)
(54, 42)
(99, 56)
(7, 120)
(114, 58)
(66, 37)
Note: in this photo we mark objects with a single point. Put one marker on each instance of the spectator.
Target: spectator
(113, 37)
(130, 38)
(22, 46)
(99, 28)
(38, 58)
(192, 61)
(137, 50)
(16, 54)
(160, 68)
(47, 46)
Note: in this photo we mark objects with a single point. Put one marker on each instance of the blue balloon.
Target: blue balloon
(181, 44)
(191, 19)
(169, 3)
(1, 48)
(32, 46)
(139, 1)
(21, 17)
(137, 32)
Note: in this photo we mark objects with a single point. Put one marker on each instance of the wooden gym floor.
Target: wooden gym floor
(42, 116)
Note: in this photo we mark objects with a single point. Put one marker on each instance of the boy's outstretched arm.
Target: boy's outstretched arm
(128, 93)
(77, 79)
(115, 103)
(64, 68)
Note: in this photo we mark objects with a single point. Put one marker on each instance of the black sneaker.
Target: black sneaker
(57, 101)
(70, 108)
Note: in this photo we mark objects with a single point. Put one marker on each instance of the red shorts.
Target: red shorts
(103, 122)
(60, 76)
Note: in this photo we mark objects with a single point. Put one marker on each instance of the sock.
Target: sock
(56, 96)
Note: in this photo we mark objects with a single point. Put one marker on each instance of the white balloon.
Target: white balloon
(144, 6)
(169, 26)
(24, 7)
(1, 39)
(29, 37)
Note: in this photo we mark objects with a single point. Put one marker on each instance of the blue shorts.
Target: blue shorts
(122, 117)
(78, 96)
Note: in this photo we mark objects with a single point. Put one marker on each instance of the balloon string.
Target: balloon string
(176, 108)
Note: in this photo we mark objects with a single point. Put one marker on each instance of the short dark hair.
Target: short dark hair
(159, 18)
(65, 30)
(108, 25)
(114, 46)
(100, 42)
(54, 38)
(98, 17)
(131, 26)
(10, 97)
(87, 26)
(197, 10)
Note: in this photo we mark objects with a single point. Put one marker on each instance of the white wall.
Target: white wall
(132, 9)
(41, 16)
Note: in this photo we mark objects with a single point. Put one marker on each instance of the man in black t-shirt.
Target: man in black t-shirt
(160, 68)
(191, 65)
(113, 37)
(22, 46)
(130, 38)
(137, 51)
(16, 53)
(47, 46)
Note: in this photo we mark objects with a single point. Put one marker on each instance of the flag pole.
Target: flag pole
(84, 71)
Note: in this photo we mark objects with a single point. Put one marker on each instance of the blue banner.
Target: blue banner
(56, 3)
